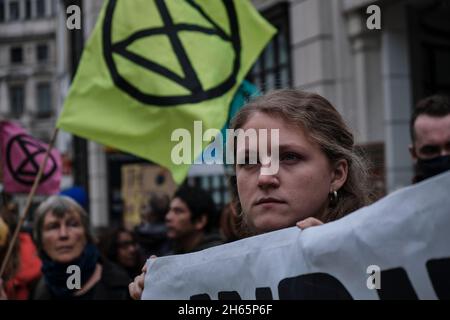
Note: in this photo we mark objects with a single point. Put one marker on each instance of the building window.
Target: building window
(44, 100)
(2, 10)
(14, 12)
(16, 100)
(16, 55)
(40, 8)
(273, 68)
(28, 9)
(42, 52)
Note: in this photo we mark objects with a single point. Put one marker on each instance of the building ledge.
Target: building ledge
(21, 29)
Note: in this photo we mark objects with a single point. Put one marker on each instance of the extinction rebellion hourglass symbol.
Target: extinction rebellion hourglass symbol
(190, 80)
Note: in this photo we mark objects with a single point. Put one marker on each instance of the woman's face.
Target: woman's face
(127, 250)
(298, 190)
(63, 238)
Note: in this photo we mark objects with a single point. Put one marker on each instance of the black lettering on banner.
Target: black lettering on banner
(222, 295)
(263, 294)
(314, 286)
(439, 272)
(395, 285)
(229, 295)
(202, 296)
(260, 293)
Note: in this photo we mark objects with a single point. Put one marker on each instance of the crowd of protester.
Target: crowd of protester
(321, 178)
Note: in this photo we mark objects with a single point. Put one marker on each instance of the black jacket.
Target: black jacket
(113, 285)
(209, 240)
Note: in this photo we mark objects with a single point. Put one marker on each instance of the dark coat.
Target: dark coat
(209, 240)
(113, 285)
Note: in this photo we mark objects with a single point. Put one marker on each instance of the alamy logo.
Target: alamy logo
(248, 146)
(74, 17)
(374, 280)
(74, 280)
(374, 20)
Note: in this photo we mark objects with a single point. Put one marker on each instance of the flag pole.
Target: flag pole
(28, 203)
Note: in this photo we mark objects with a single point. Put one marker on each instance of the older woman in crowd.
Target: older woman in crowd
(72, 266)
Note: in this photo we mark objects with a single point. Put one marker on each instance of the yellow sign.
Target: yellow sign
(139, 181)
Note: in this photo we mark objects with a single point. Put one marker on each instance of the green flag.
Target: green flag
(151, 67)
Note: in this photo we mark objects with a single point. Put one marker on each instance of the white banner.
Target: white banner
(399, 247)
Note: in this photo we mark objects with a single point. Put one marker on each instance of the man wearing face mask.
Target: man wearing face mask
(430, 134)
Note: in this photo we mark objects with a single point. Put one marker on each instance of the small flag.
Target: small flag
(22, 156)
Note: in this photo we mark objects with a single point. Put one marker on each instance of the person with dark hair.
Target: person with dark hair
(191, 220)
(430, 136)
(152, 233)
(120, 246)
(65, 245)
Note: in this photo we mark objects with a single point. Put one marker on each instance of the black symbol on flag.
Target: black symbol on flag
(190, 81)
(27, 169)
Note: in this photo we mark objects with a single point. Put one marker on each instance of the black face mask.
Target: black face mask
(431, 167)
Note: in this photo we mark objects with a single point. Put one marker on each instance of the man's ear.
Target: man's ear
(339, 175)
(413, 153)
(201, 222)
